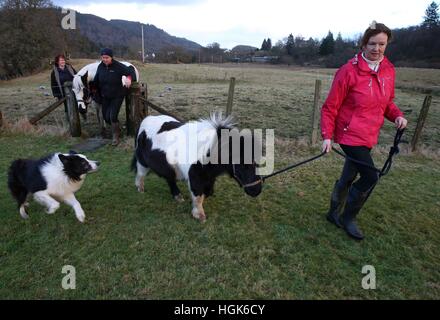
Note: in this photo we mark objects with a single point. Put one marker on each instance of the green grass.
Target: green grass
(277, 246)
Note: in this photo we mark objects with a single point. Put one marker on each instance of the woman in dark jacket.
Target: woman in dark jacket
(61, 73)
(108, 80)
(360, 98)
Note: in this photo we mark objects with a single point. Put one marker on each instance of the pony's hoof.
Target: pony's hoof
(81, 218)
(199, 215)
(23, 212)
(179, 198)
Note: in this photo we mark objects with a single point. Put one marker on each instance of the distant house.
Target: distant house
(264, 59)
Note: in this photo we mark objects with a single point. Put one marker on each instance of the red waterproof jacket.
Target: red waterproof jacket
(358, 101)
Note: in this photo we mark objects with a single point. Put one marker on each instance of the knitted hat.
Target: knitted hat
(107, 52)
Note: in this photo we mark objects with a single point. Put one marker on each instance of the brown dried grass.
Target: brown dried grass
(23, 126)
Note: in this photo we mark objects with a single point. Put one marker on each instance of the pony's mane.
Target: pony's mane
(77, 83)
(218, 121)
(86, 68)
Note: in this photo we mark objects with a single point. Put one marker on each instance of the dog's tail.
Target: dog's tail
(17, 186)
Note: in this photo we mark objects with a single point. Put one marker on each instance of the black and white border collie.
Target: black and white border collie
(165, 146)
(51, 180)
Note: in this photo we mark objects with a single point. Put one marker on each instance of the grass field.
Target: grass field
(278, 246)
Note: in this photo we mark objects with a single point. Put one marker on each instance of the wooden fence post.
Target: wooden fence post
(135, 109)
(144, 95)
(421, 123)
(46, 111)
(128, 108)
(316, 112)
(230, 96)
(1, 119)
(72, 110)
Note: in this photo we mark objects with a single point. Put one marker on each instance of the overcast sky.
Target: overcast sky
(233, 22)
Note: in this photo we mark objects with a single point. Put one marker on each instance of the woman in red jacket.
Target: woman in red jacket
(361, 96)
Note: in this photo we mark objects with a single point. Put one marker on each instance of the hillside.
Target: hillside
(126, 35)
(34, 35)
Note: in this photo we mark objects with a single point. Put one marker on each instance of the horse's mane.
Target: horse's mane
(83, 70)
(77, 82)
(218, 121)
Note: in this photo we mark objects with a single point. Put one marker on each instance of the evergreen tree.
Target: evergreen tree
(339, 43)
(290, 45)
(264, 45)
(328, 45)
(269, 44)
(432, 18)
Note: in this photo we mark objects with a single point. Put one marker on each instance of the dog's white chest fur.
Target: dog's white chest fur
(58, 183)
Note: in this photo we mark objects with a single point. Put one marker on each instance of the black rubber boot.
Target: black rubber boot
(355, 201)
(337, 201)
(116, 134)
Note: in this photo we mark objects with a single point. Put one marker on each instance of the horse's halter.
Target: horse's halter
(248, 185)
(86, 105)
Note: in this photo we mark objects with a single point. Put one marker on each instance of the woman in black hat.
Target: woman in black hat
(108, 80)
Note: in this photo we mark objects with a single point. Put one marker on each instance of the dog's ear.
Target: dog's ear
(73, 152)
(64, 159)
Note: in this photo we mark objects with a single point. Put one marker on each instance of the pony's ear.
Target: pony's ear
(73, 152)
(84, 78)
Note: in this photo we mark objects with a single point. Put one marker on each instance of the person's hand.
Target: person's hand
(126, 81)
(401, 123)
(327, 145)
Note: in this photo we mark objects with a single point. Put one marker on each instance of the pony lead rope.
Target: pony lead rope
(386, 168)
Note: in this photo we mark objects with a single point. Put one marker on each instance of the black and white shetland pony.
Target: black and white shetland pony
(51, 179)
(86, 91)
(179, 151)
